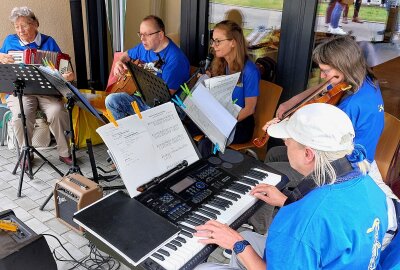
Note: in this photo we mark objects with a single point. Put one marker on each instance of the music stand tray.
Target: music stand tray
(153, 89)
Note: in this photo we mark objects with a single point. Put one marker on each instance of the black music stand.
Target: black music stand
(153, 89)
(26, 80)
(73, 97)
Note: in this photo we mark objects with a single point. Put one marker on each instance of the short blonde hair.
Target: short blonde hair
(23, 12)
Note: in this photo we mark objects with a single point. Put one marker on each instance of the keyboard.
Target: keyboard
(227, 200)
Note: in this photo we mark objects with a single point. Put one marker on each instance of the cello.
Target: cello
(320, 95)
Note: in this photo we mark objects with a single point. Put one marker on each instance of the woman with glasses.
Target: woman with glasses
(27, 36)
(230, 52)
(157, 53)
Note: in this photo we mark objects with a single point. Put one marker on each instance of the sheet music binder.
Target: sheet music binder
(138, 235)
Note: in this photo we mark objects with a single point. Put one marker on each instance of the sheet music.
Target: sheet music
(210, 116)
(18, 56)
(146, 148)
(221, 87)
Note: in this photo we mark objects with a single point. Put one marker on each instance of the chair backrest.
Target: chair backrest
(267, 103)
(388, 147)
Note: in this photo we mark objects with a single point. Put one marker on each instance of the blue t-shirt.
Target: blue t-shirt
(248, 85)
(339, 226)
(366, 112)
(12, 43)
(390, 257)
(176, 68)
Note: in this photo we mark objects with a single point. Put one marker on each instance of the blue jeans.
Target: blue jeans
(120, 104)
(337, 11)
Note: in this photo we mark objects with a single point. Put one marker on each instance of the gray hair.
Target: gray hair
(23, 12)
(324, 173)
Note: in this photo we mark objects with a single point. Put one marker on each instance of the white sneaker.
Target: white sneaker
(337, 31)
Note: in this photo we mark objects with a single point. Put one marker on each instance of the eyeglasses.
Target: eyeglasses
(140, 35)
(326, 71)
(216, 42)
(22, 26)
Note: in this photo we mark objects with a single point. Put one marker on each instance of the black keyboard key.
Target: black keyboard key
(206, 213)
(216, 205)
(225, 195)
(191, 222)
(211, 210)
(158, 256)
(248, 181)
(186, 228)
(171, 246)
(187, 234)
(181, 239)
(163, 252)
(196, 220)
(200, 217)
(224, 201)
(232, 194)
(176, 243)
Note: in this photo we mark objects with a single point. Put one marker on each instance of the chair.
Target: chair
(266, 106)
(387, 151)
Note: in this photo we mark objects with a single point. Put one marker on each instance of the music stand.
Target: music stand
(73, 97)
(26, 80)
(153, 89)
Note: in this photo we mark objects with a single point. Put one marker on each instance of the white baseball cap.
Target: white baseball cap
(320, 126)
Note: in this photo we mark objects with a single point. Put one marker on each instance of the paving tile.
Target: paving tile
(7, 203)
(6, 175)
(74, 238)
(53, 242)
(37, 226)
(74, 251)
(39, 184)
(4, 185)
(33, 193)
(26, 203)
(10, 192)
(22, 214)
(42, 215)
(56, 225)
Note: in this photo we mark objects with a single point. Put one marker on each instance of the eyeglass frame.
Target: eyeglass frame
(216, 42)
(147, 35)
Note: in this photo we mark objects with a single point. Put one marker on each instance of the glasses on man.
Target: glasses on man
(142, 35)
(216, 42)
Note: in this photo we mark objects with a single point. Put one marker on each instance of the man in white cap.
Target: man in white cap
(339, 224)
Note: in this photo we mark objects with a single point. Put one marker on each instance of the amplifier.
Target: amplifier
(23, 249)
(72, 193)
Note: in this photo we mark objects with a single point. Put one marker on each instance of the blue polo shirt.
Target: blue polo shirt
(12, 43)
(176, 68)
(366, 111)
(248, 85)
(339, 226)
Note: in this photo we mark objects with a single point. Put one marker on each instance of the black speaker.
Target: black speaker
(23, 249)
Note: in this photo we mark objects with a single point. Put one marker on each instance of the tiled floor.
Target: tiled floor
(36, 190)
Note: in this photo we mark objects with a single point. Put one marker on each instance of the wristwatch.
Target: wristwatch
(239, 246)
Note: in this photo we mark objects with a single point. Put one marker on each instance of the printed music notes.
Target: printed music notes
(145, 148)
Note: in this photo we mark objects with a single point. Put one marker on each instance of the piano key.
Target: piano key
(194, 223)
(200, 217)
(171, 246)
(163, 252)
(199, 221)
(206, 213)
(187, 234)
(158, 256)
(235, 195)
(187, 227)
(249, 181)
(216, 205)
(222, 200)
(181, 239)
(211, 210)
(176, 243)
(228, 196)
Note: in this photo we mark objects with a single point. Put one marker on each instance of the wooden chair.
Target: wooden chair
(387, 151)
(265, 111)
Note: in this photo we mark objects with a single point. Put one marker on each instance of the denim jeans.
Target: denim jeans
(337, 11)
(120, 104)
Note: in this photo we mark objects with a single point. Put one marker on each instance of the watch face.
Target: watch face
(239, 247)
